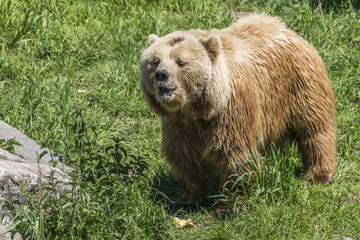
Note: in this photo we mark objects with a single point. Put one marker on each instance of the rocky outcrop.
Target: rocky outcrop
(24, 170)
(4, 235)
(29, 150)
(15, 173)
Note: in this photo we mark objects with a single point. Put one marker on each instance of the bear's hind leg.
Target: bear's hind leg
(318, 155)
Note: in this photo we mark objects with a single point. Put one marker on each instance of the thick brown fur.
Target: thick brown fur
(253, 84)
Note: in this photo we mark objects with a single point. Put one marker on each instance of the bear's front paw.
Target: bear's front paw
(183, 206)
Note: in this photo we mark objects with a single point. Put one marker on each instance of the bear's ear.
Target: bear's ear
(152, 38)
(213, 45)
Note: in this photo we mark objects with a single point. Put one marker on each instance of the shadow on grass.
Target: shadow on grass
(167, 190)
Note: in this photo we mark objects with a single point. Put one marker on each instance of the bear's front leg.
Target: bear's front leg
(234, 178)
(195, 181)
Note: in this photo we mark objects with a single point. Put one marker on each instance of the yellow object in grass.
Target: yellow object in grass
(183, 223)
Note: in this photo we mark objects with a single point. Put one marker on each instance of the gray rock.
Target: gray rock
(5, 155)
(5, 235)
(5, 231)
(30, 150)
(16, 175)
(24, 170)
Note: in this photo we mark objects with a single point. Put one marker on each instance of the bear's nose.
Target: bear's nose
(161, 75)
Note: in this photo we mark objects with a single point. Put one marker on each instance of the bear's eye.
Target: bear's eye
(156, 61)
(180, 62)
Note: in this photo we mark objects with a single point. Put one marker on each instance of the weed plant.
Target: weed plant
(69, 78)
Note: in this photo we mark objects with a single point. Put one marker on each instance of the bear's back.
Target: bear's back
(282, 72)
(260, 30)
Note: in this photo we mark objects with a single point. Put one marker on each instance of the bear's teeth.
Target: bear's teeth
(166, 92)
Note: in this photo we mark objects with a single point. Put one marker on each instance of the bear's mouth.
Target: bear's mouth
(166, 93)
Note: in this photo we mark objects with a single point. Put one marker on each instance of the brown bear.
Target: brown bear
(219, 92)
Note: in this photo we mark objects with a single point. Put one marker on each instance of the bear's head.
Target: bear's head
(182, 73)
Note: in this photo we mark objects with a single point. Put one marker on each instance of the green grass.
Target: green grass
(69, 78)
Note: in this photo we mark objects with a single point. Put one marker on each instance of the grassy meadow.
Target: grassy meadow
(69, 78)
